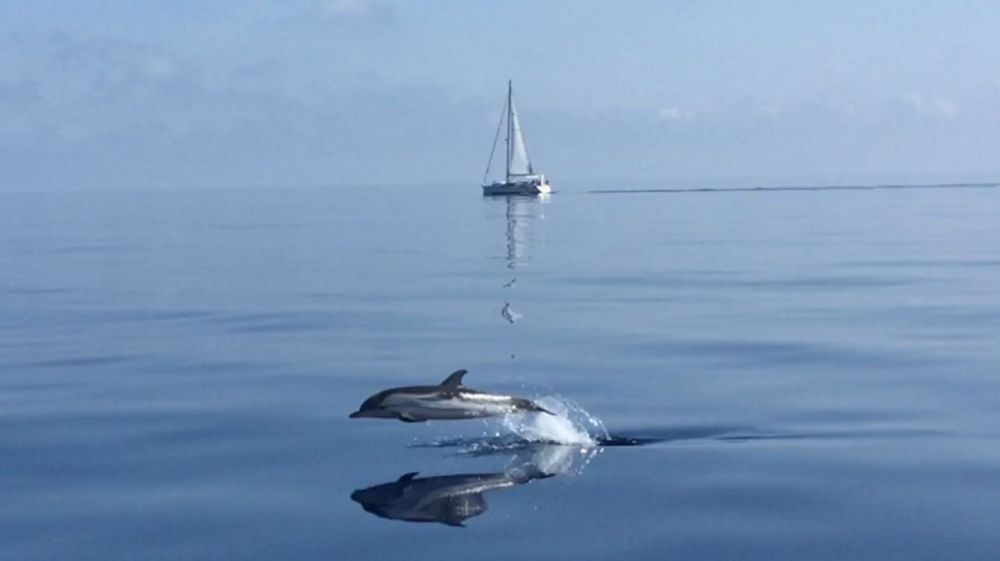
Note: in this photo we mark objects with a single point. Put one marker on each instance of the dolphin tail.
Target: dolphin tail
(541, 409)
(528, 405)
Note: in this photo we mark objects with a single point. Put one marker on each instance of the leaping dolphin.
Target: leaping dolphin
(447, 401)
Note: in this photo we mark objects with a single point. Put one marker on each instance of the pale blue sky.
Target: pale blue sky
(184, 93)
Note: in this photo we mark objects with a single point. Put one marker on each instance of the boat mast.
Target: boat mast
(510, 126)
(493, 148)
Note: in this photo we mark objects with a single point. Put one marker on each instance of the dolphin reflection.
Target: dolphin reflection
(453, 499)
(509, 314)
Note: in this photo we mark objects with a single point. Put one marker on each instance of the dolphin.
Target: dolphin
(446, 401)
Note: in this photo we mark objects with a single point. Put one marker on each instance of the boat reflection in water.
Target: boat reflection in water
(519, 213)
(453, 499)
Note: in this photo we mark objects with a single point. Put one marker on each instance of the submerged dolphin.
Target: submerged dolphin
(448, 400)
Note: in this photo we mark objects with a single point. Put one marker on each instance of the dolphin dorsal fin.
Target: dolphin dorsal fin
(406, 477)
(455, 379)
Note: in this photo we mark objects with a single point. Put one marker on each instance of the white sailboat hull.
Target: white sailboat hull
(517, 188)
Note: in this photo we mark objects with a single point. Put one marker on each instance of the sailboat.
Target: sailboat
(520, 178)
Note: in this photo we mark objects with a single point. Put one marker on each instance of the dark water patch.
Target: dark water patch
(770, 353)
(325, 296)
(647, 279)
(147, 315)
(94, 248)
(851, 435)
(925, 263)
(800, 188)
(37, 387)
(112, 448)
(191, 366)
(644, 437)
(33, 290)
(135, 428)
(78, 249)
(728, 282)
(839, 282)
(487, 445)
(299, 321)
(80, 361)
(273, 322)
(498, 443)
(918, 320)
(947, 323)
(252, 226)
(618, 440)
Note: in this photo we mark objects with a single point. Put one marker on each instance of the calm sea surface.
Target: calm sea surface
(810, 375)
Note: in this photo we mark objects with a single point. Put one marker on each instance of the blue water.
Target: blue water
(809, 375)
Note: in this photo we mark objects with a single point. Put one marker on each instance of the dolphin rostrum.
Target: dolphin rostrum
(448, 400)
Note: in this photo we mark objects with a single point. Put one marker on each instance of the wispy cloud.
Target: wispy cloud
(133, 113)
(675, 114)
(354, 10)
(935, 107)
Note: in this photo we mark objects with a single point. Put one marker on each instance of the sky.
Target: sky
(191, 94)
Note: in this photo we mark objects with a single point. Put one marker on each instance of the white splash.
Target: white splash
(570, 424)
(549, 460)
